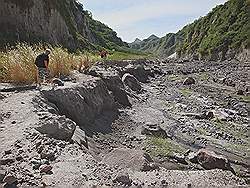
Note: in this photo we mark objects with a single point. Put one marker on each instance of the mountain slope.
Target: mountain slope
(224, 30)
(58, 22)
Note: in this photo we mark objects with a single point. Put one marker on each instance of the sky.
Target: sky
(141, 18)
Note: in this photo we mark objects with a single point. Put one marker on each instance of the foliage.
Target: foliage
(17, 64)
(163, 146)
(225, 27)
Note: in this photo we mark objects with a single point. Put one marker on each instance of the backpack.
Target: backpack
(39, 60)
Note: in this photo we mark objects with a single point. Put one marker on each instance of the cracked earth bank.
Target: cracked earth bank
(130, 124)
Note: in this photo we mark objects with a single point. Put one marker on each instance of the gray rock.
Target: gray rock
(2, 174)
(57, 81)
(79, 137)
(130, 81)
(10, 179)
(123, 179)
(58, 127)
(154, 130)
(6, 160)
(82, 101)
(45, 168)
(189, 81)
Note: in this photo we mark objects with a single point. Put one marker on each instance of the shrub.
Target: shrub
(17, 64)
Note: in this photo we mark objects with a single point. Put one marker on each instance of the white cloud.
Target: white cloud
(127, 16)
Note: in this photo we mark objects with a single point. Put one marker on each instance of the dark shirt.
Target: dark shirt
(40, 60)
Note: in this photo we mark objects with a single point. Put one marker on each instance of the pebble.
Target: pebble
(45, 168)
(9, 179)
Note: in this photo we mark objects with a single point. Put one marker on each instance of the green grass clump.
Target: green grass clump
(186, 92)
(163, 146)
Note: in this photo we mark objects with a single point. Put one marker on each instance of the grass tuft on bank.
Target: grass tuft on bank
(17, 64)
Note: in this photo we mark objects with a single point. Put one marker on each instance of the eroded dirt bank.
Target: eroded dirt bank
(134, 124)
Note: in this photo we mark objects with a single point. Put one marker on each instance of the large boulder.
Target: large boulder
(113, 82)
(82, 101)
(58, 127)
(210, 160)
(130, 81)
(128, 158)
(139, 72)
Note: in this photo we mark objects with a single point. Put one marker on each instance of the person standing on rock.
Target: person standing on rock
(42, 63)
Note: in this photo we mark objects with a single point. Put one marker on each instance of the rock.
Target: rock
(240, 92)
(82, 101)
(115, 84)
(138, 71)
(2, 174)
(129, 158)
(9, 179)
(189, 81)
(153, 129)
(48, 154)
(7, 152)
(123, 179)
(206, 115)
(209, 160)
(79, 137)
(179, 158)
(58, 127)
(57, 81)
(45, 168)
(130, 81)
(7, 160)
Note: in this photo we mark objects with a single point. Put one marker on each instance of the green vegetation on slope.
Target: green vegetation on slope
(226, 27)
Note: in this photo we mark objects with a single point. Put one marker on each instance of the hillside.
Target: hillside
(221, 32)
(62, 22)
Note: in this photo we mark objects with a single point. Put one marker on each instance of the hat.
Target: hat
(47, 51)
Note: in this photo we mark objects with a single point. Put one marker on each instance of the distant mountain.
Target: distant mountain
(57, 22)
(221, 33)
(159, 46)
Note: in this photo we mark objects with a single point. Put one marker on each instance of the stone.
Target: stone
(6, 160)
(45, 168)
(189, 81)
(58, 127)
(154, 130)
(9, 179)
(2, 174)
(57, 81)
(130, 81)
(210, 160)
(79, 137)
(129, 158)
(240, 92)
(83, 101)
(123, 179)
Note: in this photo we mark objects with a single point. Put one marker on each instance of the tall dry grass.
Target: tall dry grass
(17, 64)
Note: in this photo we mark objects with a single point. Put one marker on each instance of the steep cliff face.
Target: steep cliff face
(62, 22)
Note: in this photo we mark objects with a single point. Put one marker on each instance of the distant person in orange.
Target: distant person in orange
(103, 54)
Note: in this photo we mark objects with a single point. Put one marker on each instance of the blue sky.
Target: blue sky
(140, 18)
